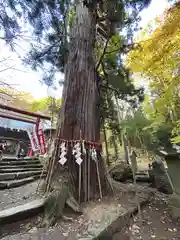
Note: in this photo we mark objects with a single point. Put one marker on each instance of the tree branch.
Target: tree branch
(108, 87)
(103, 53)
(102, 32)
(5, 69)
(123, 48)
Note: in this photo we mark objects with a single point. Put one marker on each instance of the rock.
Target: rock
(161, 177)
(21, 211)
(65, 234)
(151, 176)
(143, 178)
(33, 230)
(121, 171)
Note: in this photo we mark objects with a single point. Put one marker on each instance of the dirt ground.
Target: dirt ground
(19, 195)
(93, 214)
(155, 223)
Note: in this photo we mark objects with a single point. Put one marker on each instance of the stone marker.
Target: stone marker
(173, 162)
(151, 176)
(161, 177)
(134, 162)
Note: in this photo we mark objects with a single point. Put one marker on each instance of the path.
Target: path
(43, 234)
(96, 215)
(157, 223)
(16, 196)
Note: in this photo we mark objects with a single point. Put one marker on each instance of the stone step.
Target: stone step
(9, 159)
(19, 162)
(22, 211)
(143, 178)
(25, 166)
(18, 175)
(18, 183)
(14, 170)
(142, 173)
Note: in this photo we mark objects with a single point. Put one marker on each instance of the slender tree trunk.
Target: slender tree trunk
(129, 148)
(125, 146)
(115, 145)
(79, 115)
(115, 118)
(106, 146)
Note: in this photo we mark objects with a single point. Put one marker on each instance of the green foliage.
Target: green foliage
(135, 127)
(143, 133)
(51, 22)
(176, 132)
(16, 98)
(156, 59)
(23, 100)
(162, 135)
(71, 16)
(46, 105)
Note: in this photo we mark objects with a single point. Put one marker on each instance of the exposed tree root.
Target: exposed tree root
(59, 196)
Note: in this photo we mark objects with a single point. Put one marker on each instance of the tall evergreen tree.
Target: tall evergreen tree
(77, 37)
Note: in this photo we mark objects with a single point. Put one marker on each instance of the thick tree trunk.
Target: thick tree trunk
(79, 116)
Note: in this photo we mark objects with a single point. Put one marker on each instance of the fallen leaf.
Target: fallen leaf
(65, 234)
(170, 230)
(32, 230)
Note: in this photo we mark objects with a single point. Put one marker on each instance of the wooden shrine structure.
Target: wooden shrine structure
(20, 136)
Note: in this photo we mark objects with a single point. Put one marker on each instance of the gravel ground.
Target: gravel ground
(16, 196)
(155, 223)
(92, 213)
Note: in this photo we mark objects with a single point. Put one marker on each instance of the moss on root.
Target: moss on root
(54, 205)
(59, 196)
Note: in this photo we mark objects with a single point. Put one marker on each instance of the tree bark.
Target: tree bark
(79, 115)
(106, 145)
(125, 146)
(115, 145)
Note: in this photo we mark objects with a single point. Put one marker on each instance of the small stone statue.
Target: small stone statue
(161, 177)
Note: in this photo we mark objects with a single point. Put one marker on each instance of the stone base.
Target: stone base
(110, 222)
(175, 212)
(175, 205)
(175, 200)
